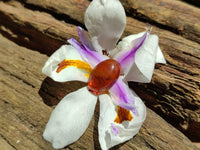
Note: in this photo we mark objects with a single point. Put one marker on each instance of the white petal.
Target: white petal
(70, 118)
(160, 57)
(126, 57)
(105, 21)
(125, 44)
(145, 58)
(106, 117)
(145, 61)
(127, 130)
(69, 73)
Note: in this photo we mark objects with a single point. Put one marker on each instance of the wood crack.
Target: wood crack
(17, 77)
(8, 142)
(49, 10)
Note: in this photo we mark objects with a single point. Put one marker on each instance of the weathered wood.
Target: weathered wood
(70, 11)
(173, 15)
(174, 90)
(170, 14)
(27, 28)
(24, 114)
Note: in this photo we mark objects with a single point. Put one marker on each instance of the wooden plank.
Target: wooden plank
(173, 15)
(27, 28)
(24, 113)
(174, 91)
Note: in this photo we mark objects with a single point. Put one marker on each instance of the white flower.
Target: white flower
(136, 54)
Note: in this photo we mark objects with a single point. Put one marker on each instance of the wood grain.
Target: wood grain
(31, 28)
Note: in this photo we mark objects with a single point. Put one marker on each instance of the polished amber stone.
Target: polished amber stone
(103, 76)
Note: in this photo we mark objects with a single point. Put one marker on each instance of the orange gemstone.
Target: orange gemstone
(103, 76)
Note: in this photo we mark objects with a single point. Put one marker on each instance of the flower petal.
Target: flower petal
(107, 137)
(70, 118)
(85, 39)
(91, 57)
(145, 58)
(105, 21)
(160, 57)
(67, 52)
(126, 57)
(122, 95)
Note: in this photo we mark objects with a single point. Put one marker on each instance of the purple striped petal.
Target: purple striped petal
(91, 57)
(123, 96)
(126, 58)
(85, 39)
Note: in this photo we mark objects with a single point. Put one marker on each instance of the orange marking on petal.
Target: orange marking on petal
(123, 115)
(73, 63)
(87, 75)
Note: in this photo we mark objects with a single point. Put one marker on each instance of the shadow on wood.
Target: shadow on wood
(52, 92)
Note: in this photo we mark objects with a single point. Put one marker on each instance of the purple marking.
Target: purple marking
(123, 96)
(92, 57)
(114, 129)
(85, 39)
(126, 58)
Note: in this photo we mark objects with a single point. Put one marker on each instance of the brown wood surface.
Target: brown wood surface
(32, 29)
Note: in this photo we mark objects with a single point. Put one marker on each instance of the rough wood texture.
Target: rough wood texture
(175, 15)
(45, 25)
